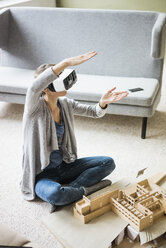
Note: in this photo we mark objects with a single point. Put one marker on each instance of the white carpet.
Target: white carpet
(116, 136)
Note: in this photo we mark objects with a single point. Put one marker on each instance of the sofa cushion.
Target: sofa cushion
(91, 87)
(15, 80)
(88, 87)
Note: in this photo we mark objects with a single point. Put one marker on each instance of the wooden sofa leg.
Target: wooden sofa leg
(144, 125)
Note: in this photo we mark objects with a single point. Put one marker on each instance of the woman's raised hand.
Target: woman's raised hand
(111, 97)
(58, 68)
(77, 60)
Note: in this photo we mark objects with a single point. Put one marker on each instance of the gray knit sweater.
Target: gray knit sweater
(39, 131)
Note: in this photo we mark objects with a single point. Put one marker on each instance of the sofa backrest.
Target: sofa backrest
(129, 43)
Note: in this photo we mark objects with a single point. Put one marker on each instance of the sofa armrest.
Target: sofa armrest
(159, 37)
(4, 27)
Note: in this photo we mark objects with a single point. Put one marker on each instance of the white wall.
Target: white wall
(153, 5)
(40, 3)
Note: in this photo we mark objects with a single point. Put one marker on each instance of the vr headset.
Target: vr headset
(64, 82)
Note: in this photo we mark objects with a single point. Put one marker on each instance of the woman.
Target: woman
(51, 169)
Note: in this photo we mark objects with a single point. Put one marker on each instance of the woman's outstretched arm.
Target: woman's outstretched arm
(49, 75)
(77, 60)
(99, 109)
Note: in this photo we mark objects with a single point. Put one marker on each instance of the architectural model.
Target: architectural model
(140, 204)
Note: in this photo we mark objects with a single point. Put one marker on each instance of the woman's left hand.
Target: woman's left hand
(111, 97)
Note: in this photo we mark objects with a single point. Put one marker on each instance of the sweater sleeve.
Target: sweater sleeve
(35, 89)
(93, 110)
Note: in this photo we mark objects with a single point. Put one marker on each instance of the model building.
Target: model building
(140, 204)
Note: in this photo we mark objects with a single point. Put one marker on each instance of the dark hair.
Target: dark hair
(39, 70)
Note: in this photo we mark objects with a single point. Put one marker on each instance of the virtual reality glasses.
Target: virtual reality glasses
(64, 82)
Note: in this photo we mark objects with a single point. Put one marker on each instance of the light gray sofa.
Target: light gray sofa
(130, 46)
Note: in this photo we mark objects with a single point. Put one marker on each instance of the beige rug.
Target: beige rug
(115, 136)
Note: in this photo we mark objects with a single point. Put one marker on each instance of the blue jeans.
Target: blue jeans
(82, 172)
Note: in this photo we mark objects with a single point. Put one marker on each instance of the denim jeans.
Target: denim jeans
(82, 172)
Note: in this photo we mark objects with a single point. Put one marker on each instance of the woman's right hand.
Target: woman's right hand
(77, 60)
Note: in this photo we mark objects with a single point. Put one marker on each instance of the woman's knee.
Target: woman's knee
(109, 162)
(48, 192)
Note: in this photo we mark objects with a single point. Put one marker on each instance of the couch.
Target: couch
(130, 46)
(8, 237)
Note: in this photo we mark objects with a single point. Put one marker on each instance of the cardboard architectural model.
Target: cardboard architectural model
(140, 204)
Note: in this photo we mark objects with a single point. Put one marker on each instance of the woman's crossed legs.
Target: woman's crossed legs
(82, 172)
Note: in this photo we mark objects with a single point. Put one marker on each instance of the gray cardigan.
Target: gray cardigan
(39, 131)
